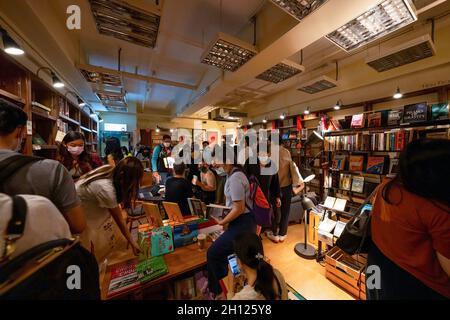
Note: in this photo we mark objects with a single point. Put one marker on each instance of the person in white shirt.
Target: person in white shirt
(263, 282)
(43, 222)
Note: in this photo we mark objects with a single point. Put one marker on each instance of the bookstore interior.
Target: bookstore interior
(96, 95)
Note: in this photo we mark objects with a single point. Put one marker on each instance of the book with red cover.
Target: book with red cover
(375, 164)
(374, 119)
(123, 277)
(357, 121)
(356, 163)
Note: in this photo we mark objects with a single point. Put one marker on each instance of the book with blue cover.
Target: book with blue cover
(185, 234)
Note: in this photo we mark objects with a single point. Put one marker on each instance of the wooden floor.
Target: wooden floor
(307, 277)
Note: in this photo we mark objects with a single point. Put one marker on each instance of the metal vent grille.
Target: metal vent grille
(318, 85)
(228, 53)
(299, 9)
(119, 19)
(102, 78)
(112, 99)
(282, 71)
(413, 51)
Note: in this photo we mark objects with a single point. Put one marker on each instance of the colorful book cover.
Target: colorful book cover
(346, 181)
(394, 117)
(439, 111)
(375, 165)
(374, 119)
(185, 234)
(151, 268)
(415, 113)
(339, 162)
(123, 276)
(357, 121)
(356, 163)
(155, 242)
(358, 184)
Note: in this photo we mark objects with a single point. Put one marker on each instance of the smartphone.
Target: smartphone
(232, 261)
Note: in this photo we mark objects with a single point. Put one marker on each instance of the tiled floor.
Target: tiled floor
(305, 276)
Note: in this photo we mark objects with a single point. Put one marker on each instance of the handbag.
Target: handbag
(57, 269)
(356, 237)
(261, 208)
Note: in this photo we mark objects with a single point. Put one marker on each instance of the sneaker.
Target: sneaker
(272, 237)
(282, 238)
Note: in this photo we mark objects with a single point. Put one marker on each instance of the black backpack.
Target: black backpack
(44, 271)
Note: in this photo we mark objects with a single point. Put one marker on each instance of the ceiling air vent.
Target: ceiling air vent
(112, 100)
(319, 84)
(126, 22)
(414, 50)
(101, 78)
(282, 71)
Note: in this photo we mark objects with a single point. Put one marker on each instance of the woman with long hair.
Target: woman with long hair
(113, 151)
(104, 192)
(73, 154)
(263, 282)
(411, 226)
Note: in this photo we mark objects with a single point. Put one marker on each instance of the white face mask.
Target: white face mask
(76, 151)
(264, 159)
(166, 144)
(220, 171)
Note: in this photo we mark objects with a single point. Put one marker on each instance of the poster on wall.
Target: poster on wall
(212, 137)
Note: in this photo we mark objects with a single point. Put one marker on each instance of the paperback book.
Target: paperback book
(346, 181)
(358, 184)
(356, 163)
(375, 164)
(151, 268)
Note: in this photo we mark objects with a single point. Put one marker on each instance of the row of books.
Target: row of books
(40, 108)
(62, 126)
(380, 141)
(358, 163)
(349, 182)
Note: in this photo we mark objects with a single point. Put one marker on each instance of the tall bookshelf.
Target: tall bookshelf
(47, 109)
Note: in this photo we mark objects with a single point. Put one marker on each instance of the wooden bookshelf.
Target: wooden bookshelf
(47, 109)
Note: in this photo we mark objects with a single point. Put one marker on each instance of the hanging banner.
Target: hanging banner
(299, 123)
(274, 125)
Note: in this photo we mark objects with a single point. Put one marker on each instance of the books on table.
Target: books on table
(339, 228)
(196, 207)
(340, 204)
(329, 202)
(217, 212)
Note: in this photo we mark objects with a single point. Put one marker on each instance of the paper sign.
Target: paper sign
(60, 136)
(29, 128)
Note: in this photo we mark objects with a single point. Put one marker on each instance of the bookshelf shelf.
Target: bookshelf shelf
(85, 129)
(44, 147)
(63, 117)
(11, 96)
(43, 116)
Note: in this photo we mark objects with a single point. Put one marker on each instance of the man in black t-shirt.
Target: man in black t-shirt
(178, 189)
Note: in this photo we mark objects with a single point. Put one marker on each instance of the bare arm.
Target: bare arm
(204, 187)
(116, 213)
(76, 219)
(444, 262)
(236, 211)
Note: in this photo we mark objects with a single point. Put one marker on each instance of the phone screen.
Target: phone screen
(232, 260)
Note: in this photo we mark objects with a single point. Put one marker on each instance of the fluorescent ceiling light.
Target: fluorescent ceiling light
(228, 53)
(121, 20)
(384, 18)
(319, 84)
(299, 9)
(282, 71)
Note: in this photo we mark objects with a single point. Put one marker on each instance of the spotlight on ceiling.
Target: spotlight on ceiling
(380, 20)
(397, 94)
(250, 123)
(307, 111)
(81, 103)
(171, 130)
(9, 45)
(264, 120)
(338, 105)
(157, 129)
(56, 82)
(282, 116)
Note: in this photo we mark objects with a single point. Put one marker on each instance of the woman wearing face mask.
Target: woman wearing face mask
(269, 183)
(207, 183)
(74, 156)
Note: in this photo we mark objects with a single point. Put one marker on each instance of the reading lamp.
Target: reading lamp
(56, 82)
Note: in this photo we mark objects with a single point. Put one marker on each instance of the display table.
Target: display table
(179, 262)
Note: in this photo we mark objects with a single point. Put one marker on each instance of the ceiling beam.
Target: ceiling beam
(329, 17)
(135, 76)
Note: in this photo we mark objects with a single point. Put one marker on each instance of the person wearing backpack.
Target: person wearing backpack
(104, 192)
(20, 174)
(239, 220)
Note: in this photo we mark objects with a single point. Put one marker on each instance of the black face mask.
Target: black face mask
(204, 169)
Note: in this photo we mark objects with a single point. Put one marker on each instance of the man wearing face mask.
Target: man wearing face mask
(207, 183)
(162, 151)
(47, 178)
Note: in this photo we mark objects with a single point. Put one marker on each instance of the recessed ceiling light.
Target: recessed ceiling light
(228, 53)
(380, 20)
(299, 9)
(282, 71)
(317, 85)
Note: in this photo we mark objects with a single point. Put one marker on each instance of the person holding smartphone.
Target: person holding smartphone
(239, 220)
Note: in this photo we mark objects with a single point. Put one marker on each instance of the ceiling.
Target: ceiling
(186, 29)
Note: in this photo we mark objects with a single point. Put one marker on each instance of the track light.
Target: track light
(397, 94)
(9, 45)
(282, 116)
(56, 82)
(307, 111)
(338, 105)
(157, 129)
(81, 103)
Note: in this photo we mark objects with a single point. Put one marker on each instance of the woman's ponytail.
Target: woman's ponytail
(264, 281)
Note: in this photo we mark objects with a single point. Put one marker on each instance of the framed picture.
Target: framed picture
(185, 289)
(212, 137)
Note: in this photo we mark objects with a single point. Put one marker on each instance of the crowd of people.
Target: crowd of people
(80, 193)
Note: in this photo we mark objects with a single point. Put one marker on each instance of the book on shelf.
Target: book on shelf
(358, 184)
(376, 164)
(345, 181)
(339, 162)
(393, 166)
(304, 134)
(439, 111)
(185, 289)
(356, 163)
(335, 125)
(357, 121)
(374, 120)
(41, 106)
(394, 117)
(414, 113)
(37, 139)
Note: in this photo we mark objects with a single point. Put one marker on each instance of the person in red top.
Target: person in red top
(411, 225)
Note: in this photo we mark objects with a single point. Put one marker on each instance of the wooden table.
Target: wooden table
(182, 260)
